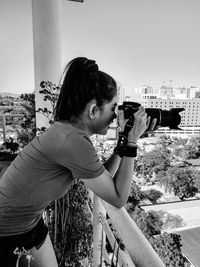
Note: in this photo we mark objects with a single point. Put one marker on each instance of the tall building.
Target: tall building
(166, 92)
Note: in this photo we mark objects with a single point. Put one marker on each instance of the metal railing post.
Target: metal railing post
(98, 234)
(4, 127)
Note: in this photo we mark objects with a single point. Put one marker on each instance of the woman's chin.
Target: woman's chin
(104, 131)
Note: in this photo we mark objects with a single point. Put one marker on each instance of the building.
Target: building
(197, 94)
(191, 92)
(166, 92)
(146, 89)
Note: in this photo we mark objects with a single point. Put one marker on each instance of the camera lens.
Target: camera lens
(165, 118)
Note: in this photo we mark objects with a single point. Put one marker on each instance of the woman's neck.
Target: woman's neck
(80, 124)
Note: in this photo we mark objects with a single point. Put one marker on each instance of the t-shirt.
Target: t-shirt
(42, 172)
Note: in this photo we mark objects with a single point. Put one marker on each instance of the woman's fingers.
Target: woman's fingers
(152, 124)
(121, 121)
(140, 111)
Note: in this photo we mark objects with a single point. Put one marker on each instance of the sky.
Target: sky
(138, 42)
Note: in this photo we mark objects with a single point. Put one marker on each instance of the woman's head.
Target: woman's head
(83, 82)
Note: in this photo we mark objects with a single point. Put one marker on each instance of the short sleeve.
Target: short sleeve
(78, 154)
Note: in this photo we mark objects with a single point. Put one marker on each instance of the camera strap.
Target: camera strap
(128, 126)
(122, 149)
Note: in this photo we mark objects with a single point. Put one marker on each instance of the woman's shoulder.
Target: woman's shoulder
(62, 134)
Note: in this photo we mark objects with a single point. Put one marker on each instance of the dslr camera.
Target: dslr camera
(165, 118)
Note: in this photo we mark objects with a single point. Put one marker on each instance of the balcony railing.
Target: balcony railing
(138, 251)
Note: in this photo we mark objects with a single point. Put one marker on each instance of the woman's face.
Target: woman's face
(106, 116)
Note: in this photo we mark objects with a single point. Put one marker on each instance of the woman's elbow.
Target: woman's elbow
(118, 204)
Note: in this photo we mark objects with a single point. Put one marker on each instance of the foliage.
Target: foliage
(28, 124)
(10, 145)
(197, 180)
(135, 196)
(29, 110)
(153, 195)
(170, 221)
(9, 150)
(71, 226)
(103, 148)
(191, 149)
(148, 222)
(181, 181)
(154, 161)
(168, 247)
(7, 156)
(50, 94)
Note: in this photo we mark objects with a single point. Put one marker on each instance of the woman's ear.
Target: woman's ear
(93, 110)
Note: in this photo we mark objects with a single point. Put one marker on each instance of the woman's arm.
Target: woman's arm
(115, 189)
(112, 164)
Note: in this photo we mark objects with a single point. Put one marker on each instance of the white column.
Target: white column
(47, 48)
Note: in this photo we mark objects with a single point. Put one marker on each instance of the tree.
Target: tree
(29, 109)
(28, 124)
(168, 247)
(153, 195)
(192, 149)
(197, 180)
(136, 195)
(179, 180)
(149, 223)
(170, 221)
(154, 161)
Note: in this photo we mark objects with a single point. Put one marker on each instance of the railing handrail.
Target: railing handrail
(138, 247)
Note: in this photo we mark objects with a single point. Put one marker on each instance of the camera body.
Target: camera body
(165, 118)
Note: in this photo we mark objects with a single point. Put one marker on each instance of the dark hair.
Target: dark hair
(83, 81)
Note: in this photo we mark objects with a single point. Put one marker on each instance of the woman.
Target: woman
(44, 170)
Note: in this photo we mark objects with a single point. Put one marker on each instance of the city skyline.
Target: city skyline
(137, 42)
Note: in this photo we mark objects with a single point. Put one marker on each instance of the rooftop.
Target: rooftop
(190, 239)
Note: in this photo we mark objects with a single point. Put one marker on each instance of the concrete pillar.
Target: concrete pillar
(47, 48)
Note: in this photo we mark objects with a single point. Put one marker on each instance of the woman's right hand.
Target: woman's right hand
(141, 123)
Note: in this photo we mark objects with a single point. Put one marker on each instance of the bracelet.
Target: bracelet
(119, 151)
(121, 144)
(130, 151)
(134, 143)
(127, 151)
